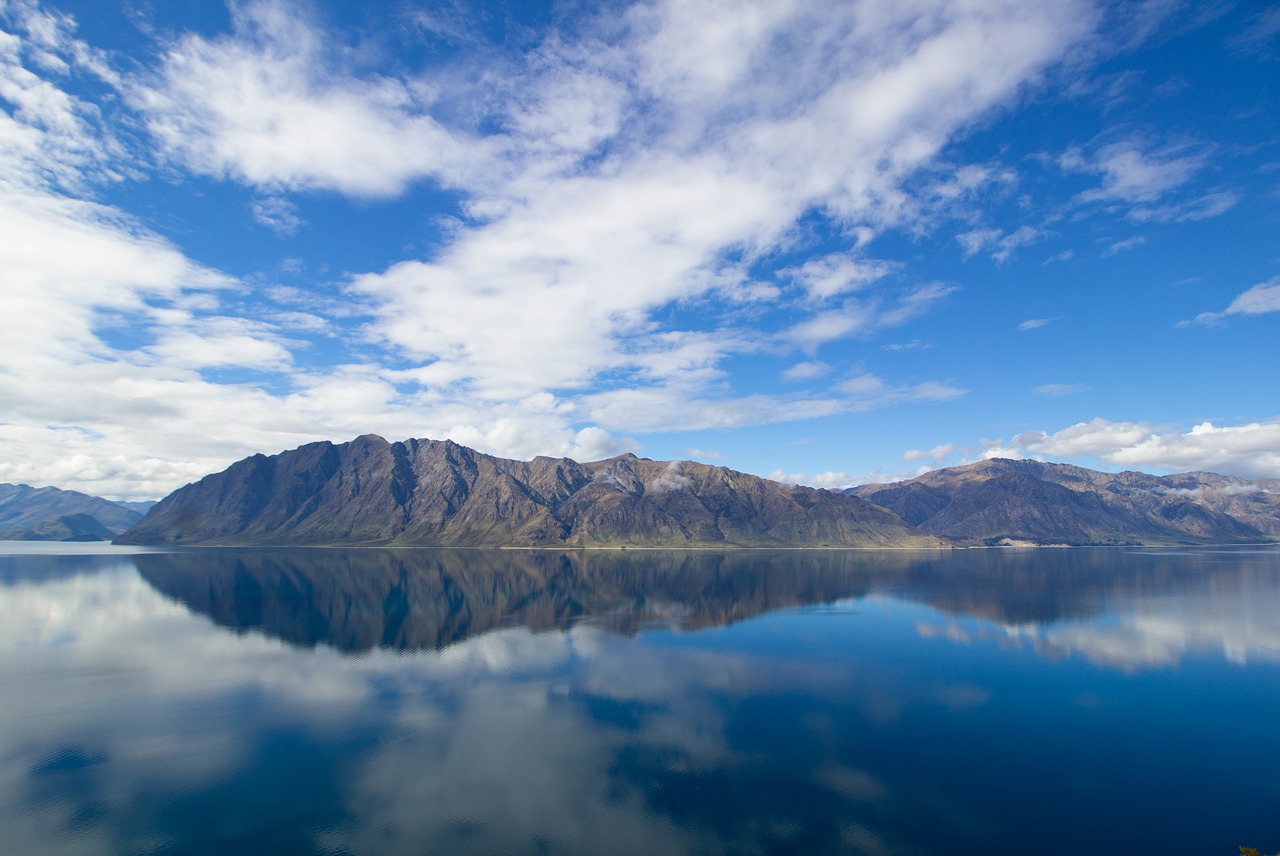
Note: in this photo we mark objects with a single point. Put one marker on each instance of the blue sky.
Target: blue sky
(829, 243)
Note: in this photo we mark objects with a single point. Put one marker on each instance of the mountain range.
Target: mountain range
(370, 492)
(50, 514)
(1001, 501)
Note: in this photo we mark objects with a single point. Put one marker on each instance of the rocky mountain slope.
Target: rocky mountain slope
(50, 514)
(433, 493)
(1000, 501)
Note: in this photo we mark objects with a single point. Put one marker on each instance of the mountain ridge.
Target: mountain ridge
(52, 514)
(422, 492)
(1001, 500)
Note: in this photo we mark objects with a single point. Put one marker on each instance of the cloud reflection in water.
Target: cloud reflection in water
(427, 701)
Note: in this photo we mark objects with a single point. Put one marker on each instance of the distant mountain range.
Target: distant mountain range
(370, 492)
(1002, 501)
(49, 514)
(432, 493)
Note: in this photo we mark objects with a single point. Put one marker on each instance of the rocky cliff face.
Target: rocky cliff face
(431, 493)
(1003, 500)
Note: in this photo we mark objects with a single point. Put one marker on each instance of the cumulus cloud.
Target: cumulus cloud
(635, 169)
(723, 154)
(1250, 450)
(264, 107)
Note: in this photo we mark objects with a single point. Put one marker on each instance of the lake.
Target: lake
(1039, 701)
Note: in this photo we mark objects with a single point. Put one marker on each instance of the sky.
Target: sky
(828, 243)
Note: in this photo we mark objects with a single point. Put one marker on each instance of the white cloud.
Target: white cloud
(868, 392)
(1259, 38)
(644, 169)
(1126, 244)
(730, 152)
(670, 480)
(277, 214)
(861, 317)
(840, 480)
(830, 480)
(1001, 245)
(807, 370)
(1059, 389)
(1034, 324)
(1131, 175)
(1258, 300)
(1154, 182)
(836, 274)
(265, 107)
(1251, 450)
(936, 455)
(1263, 297)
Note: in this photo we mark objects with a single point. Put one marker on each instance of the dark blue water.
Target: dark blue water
(411, 702)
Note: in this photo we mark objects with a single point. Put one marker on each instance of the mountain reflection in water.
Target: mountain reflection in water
(355, 600)
(635, 702)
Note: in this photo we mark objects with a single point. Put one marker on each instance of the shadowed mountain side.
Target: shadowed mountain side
(1005, 500)
(427, 493)
(355, 600)
(51, 514)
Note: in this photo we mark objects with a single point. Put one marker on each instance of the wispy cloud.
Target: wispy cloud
(1001, 246)
(656, 158)
(1258, 300)
(1261, 36)
(1055, 390)
(1121, 246)
(807, 370)
(1155, 183)
(1251, 449)
(1034, 324)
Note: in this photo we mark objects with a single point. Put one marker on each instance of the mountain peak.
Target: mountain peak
(370, 492)
(1001, 500)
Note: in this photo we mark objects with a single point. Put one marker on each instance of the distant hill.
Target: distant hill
(1003, 501)
(50, 514)
(437, 493)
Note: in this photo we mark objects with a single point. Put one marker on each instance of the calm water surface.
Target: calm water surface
(415, 701)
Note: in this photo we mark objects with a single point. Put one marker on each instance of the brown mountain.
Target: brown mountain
(1001, 501)
(432, 493)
